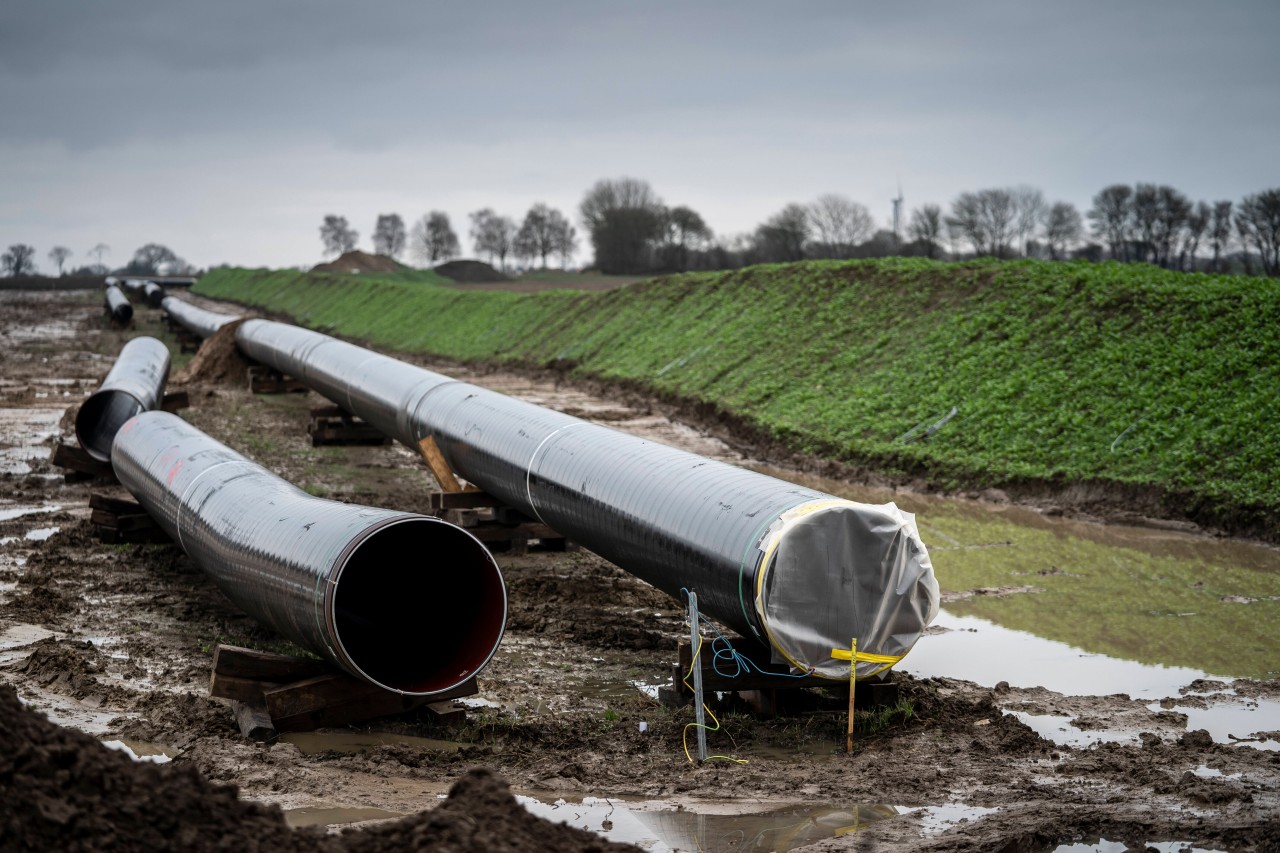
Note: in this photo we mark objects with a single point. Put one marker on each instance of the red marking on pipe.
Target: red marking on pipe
(173, 472)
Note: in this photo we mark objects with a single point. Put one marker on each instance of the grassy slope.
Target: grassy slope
(1048, 364)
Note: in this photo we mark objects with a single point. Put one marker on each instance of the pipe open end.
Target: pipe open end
(419, 606)
(100, 418)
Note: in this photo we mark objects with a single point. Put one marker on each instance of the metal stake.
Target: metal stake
(699, 708)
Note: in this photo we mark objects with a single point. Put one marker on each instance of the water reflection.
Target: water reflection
(684, 829)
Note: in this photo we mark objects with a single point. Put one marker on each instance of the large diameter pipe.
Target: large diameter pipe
(118, 305)
(153, 293)
(801, 570)
(196, 320)
(134, 384)
(407, 602)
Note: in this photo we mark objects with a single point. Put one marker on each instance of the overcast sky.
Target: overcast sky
(227, 130)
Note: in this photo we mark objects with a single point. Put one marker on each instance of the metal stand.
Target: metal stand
(699, 708)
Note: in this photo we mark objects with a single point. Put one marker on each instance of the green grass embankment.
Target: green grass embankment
(1061, 372)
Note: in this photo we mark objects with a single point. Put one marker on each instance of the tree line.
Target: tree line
(151, 259)
(632, 231)
(543, 234)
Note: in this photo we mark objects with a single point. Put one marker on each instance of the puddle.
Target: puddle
(11, 512)
(15, 639)
(1059, 730)
(1233, 720)
(1102, 845)
(1205, 772)
(335, 816)
(141, 751)
(935, 820)
(710, 827)
(309, 743)
(978, 650)
(605, 689)
(40, 534)
(24, 433)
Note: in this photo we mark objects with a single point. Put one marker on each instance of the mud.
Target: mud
(117, 641)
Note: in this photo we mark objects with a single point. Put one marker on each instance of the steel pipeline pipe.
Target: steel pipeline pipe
(408, 602)
(800, 570)
(153, 293)
(196, 320)
(134, 384)
(118, 305)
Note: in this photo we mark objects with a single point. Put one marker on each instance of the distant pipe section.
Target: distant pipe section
(153, 293)
(407, 602)
(118, 305)
(802, 571)
(134, 384)
(196, 320)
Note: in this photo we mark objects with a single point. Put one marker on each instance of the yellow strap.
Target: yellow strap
(866, 657)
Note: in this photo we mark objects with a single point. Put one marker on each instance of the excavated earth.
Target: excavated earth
(116, 642)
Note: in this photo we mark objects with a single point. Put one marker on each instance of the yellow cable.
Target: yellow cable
(684, 734)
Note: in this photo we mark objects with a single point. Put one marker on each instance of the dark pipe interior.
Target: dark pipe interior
(100, 418)
(420, 606)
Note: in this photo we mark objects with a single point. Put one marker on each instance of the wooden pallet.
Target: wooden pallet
(274, 693)
(119, 521)
(187, 342)
(499, 526)
(265, 380)
(333, 425)
(767, 687)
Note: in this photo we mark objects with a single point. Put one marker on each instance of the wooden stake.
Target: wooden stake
(853, 681)
(439, 468)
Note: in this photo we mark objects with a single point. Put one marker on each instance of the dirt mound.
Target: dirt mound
(63, 790)
(480, 815)
(216, 361)
(358, 262)
(470, 272)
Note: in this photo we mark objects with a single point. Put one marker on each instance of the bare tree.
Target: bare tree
(1220, 231)
(681, 229)
(1197, 224)
(926, 227)
(337, 235)
(783, 236)
(153, 259)
(987, 220)
(59, 255)
(492, 234)
(1063, 228)
(566, 244)
(388, 235)
(434, 239)
(839, 224)
(19, 260)
(623, 217)
(1258, 221)
(1171, 211)
(1111, 216)
(1029, 210)
(541, 233)
(1146, 217)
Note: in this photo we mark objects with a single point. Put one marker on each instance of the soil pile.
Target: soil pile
(63, 790)
(216, 361)
(480, 815)
(358, 262)
(470, 272)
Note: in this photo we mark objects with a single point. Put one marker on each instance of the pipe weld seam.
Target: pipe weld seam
(528, 471)
(182, 500)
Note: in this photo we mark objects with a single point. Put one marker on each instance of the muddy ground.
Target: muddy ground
(116, 640)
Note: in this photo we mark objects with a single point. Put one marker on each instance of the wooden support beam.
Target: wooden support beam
(78, 459)
(266, 666)
(439, 468)
(174, 401)
(264, 380)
